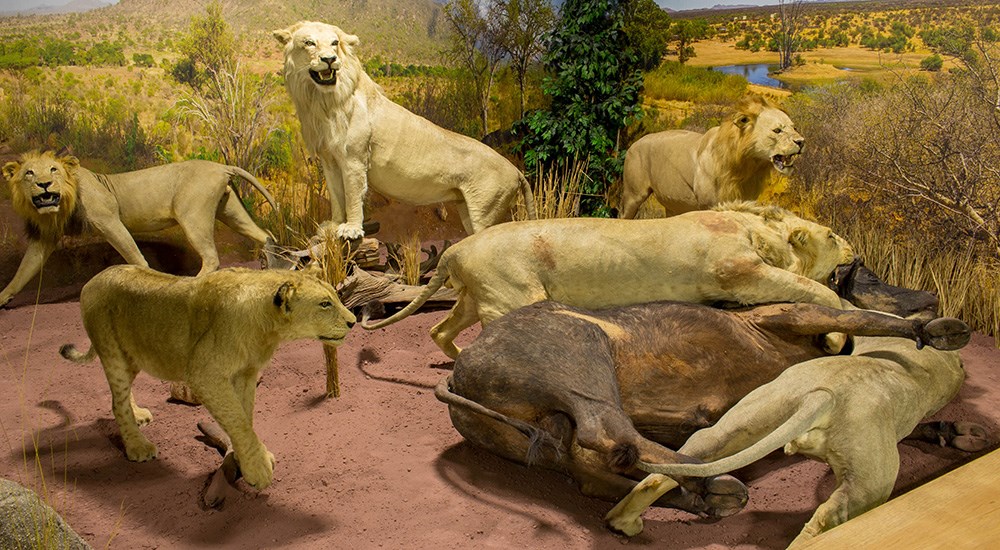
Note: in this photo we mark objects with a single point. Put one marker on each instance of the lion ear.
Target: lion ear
(743, 119)
(283, 36)
(70, 162)
(283, 296)
(799, 237)
(351, 40)
(10, 169)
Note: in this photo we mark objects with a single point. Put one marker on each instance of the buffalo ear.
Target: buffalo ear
(283, 297)
(283, 36)
(10, 169)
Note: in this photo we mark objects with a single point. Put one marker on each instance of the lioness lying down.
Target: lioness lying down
(741, 252)
(216, 333)
(56, 196)
(847, 411)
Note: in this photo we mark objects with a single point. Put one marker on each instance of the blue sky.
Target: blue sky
(697, 4)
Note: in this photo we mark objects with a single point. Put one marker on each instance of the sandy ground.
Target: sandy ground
(379, 467)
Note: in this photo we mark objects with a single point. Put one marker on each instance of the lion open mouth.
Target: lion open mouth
(326, 77)
(46, 200)
(783, 163)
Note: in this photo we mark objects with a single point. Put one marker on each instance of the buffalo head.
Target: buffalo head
(860, 286)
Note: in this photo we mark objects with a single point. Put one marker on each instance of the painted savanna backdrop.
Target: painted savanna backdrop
(898, 102)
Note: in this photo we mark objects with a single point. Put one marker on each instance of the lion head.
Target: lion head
(785, 240)
(321, 56)
(311, 309)
(44, 191)
(764, 133)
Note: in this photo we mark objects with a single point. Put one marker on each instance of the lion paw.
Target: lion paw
(140, 450)
(142, 416)
(625, 526)
(259, 471)
(5, 300)
(350, 231)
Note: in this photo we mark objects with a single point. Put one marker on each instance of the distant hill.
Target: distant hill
(74, 6)
(404, 31)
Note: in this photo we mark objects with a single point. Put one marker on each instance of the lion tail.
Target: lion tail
(813, 406)
(237, 171)
(537, 436)
(529, 199)
(435, 284)
(70, 352)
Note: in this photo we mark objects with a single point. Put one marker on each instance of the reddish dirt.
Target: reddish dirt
(379, 467)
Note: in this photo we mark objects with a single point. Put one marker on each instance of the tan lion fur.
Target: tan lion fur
(215, 333)
(847, 411)
(362, 138)
(687, 171)
(745, 253)
(192, 194)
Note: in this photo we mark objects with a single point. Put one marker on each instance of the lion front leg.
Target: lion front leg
(34, 258)
(346, 210)
(220, 398)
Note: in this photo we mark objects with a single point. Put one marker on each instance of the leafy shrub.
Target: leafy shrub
(674, 81)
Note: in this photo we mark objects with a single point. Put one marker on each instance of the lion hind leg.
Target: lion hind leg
(120, 377)
(200, 233)
(462, 316)
(232, 213)
(866, 474)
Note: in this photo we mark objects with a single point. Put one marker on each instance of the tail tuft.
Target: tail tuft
(623, 456)
(70, 352)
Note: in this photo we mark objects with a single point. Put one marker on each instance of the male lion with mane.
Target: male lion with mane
(741, 252)
(361, 137)
(56, 196)
(687, 171)
(215, 333)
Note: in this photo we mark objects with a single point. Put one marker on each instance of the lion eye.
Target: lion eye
(335, 42)
(777, 130)
(326, 304)
(309, 42)
(53, 169)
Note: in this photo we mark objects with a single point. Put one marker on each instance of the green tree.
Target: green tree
(523, 24)
(209, 47)
(932, 63)
(686, 32)
(594, 83)
(476, 44)
(648, 29)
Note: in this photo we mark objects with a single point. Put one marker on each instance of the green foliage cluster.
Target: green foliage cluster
(22, 53)
(896, 41)
(594, 86)
(674, 81)
(648, 29)
(58, 110)
(932, 63)
(379, 67)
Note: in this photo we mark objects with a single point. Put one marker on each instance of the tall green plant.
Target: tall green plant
(594, 87)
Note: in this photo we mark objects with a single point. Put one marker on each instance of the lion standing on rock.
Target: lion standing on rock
(361, 137)
(687, 171)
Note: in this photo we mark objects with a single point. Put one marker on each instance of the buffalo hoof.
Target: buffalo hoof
(945, 333)
(715, 497)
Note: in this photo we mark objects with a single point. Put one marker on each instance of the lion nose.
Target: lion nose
(44, 185)
(800, 142)
(328, 59)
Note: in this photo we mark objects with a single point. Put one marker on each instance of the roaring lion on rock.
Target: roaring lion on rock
(216, 333)
(742, 253)
(56, 196)
(687, 171)
(361, 137)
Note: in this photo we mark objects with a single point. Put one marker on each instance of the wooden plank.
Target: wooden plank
(958, 510)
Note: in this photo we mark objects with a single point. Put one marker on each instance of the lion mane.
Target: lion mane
(687, 171)
(362, 138)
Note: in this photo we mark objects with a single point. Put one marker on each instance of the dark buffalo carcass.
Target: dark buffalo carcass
(590, 392)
